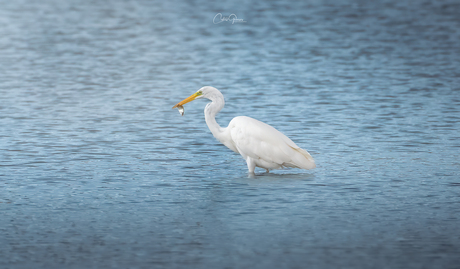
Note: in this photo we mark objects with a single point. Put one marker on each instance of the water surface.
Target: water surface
(98, 171)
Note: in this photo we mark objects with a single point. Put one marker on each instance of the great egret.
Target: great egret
(260, 144)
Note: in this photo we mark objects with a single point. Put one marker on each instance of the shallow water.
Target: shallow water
(98, 171)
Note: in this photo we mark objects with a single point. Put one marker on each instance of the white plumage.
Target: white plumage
(260, 144)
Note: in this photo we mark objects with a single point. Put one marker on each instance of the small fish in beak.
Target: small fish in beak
(181, 110)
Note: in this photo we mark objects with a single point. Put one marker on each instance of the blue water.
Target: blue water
(97, 170)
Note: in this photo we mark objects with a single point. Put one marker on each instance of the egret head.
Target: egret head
(205, 92)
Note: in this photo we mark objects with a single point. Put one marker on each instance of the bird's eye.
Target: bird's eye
(199, 93)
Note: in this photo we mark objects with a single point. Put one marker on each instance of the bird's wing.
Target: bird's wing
(258, 140)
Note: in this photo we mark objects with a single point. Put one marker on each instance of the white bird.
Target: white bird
(260, 144)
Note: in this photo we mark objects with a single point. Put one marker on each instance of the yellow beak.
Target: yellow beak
(186, 100)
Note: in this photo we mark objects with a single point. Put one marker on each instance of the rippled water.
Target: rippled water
(98, 171)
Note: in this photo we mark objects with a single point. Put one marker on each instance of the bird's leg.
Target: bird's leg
(267, 171)
(251, 164)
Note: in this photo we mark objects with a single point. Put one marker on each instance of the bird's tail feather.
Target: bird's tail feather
(302, 160)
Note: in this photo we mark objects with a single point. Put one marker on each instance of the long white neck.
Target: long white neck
(210, 113)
